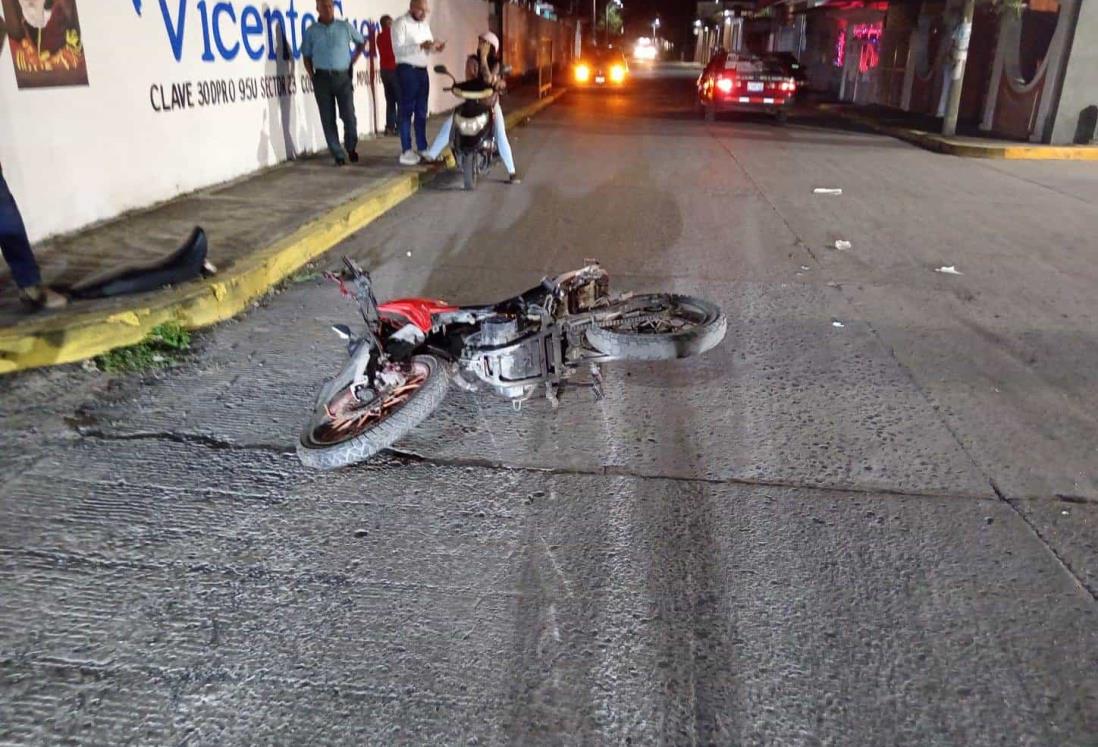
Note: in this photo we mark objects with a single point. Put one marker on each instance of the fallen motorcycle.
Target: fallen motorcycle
(410, 349)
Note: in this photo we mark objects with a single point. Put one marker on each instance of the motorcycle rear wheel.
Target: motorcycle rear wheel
(659, 326)
(360, 433)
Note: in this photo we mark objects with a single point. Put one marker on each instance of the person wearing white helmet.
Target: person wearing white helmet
(484, 64)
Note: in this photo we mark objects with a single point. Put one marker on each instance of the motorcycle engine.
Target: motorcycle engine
(499, 330)
(500, 355)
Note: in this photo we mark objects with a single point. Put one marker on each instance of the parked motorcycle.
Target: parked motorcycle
(410, 349)
(473, 136)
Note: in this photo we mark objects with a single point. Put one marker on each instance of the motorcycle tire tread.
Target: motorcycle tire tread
(469, 171)
(366, 445)
(659, 347)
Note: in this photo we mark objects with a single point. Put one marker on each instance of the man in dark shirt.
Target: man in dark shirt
(389, 81)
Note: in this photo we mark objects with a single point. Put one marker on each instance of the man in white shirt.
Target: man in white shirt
(412, 45)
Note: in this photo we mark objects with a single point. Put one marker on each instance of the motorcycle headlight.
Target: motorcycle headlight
(470, 126)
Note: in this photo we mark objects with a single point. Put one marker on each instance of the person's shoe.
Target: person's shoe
(340, 162)
(42, 297)
(353, 155)
(514, 179)
(409, 158)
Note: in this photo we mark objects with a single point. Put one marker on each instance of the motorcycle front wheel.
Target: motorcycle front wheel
(657, 326)
(345, 431)
(469, 170)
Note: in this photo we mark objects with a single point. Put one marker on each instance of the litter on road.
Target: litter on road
(827, 191)
(842, 245)
(838, 324)
(950, 270)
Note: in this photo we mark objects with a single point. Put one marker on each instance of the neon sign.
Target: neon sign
(840, 44)
(869, 34)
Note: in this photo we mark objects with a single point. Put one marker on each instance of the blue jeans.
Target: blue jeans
(333, 87)
(13, 241)
(442, 139)
(414, 88)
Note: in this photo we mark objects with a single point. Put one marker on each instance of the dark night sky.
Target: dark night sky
(675, 15)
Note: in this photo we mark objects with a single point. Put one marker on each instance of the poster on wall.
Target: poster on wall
(46, 45)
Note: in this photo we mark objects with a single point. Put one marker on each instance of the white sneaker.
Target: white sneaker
(409, 158)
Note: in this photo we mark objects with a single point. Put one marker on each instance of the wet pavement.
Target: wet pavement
(880, 532)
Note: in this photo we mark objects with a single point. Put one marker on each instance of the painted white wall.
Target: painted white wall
(76, 155)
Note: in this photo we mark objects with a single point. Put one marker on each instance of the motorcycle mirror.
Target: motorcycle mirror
(441, 70)
(342, 330)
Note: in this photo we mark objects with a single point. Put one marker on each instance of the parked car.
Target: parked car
(792, 65)
(600, 68)
(745, 82)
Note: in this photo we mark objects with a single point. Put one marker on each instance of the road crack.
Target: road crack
(197, 439)
(615, 471)
(1033, 528)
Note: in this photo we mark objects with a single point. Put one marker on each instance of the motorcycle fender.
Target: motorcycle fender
(353, 373)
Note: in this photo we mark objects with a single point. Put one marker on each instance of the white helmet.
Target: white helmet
(492, 39)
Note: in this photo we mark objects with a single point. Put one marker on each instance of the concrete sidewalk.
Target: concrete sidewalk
(919, 130)
(261, 228)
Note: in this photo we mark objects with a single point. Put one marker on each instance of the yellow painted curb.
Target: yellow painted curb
(965, 149)
(70, 337)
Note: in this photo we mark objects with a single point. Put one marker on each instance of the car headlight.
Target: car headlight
(617, 73)
(583, 73)
(470, 126)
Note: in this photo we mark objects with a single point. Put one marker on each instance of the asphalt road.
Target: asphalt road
(869, 517)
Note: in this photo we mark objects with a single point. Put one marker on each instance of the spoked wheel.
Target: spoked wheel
(658, 326)
(345, 429)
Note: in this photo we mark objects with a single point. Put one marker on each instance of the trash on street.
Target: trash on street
(948, 270)
(827, 191)
(842, 245)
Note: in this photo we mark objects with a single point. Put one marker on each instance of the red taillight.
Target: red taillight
(725, 85)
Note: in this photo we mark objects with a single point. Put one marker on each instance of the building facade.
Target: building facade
(1031, 73)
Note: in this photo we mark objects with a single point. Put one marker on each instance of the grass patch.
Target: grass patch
(166, 344)
(305, 274)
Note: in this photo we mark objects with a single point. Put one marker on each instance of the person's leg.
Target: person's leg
(14, 244)
(406, 79)
(422, 91)
(392, 96)
(502, 143)
(442, 139)
(345, 96)
(326, 104)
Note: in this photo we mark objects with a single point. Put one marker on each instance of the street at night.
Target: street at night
(868, 516)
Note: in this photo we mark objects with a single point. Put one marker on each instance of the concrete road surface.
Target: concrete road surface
(869, 517)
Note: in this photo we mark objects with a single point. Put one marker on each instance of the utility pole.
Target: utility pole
(961, 35)
(594, 22)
